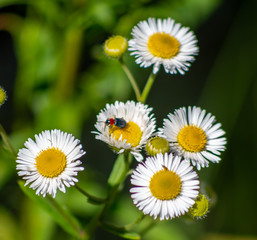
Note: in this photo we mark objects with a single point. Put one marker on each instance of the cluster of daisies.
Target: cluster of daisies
(165, 183)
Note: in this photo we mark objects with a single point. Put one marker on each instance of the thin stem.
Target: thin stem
(131, 79)
(6, 140)
(133, 224)
(81, 233)
(70, 61)
(92, 199)
(114, 190)
(148, 87)
(148, 227)
(99, 219)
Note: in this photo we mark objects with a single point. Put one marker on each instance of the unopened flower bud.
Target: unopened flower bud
(200, 208)
(3, 96)
(115, 46)
(157, 145)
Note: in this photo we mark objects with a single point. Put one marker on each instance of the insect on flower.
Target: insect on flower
(118, 122)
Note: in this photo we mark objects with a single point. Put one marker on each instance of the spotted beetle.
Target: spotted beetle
(118, 122)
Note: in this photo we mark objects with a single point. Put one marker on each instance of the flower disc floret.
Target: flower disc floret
(51, 162)
(131, 133)
(163, 45)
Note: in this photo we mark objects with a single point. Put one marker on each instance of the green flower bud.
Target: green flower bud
(157, 145)
(3, 96)
(200, 208)
(115, 46)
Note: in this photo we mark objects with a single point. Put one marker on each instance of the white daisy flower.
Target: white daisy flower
(51, 162)
(194, 135)
(165, 42)
(125, 126)
(164, 186)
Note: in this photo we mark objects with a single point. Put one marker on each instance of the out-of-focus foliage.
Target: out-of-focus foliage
(63, 78)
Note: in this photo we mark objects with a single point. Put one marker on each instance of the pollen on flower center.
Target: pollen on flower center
(51, 162)
(165, 184)
(192, 138)
(132, 133)
(163, 45)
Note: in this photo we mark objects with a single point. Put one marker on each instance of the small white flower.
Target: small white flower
(132, 137)
(164, 186)
(163, 42)
(194, 135)
(51, 162)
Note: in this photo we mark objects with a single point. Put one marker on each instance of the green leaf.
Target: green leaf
(117, 171)
(58, 212)
(130, 235)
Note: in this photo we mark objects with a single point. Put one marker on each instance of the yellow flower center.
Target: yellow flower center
(165, 184)
(51, 162)
(192, 138)
(163, 45)
(201, 206)
(132, 133)
(115, 46)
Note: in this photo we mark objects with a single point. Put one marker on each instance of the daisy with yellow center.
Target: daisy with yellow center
(51, 162)
(194, 135)
(164, 186)
(125, 126)
(163, 42)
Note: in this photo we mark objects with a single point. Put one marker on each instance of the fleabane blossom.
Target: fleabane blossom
(163, 42)
(164, 186)
(194, 135)
(51, 162)
(125, 127)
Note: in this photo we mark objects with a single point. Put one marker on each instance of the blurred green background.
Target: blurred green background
(56, 75)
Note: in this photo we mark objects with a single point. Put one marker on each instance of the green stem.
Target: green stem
(70, 61)
(92, 199)
(148, 87)
(122, 231)
(148, 227)
(115, 188)
(6, 140)
(81, 233)
(131, 79)
(131, 225)
(99, 218)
